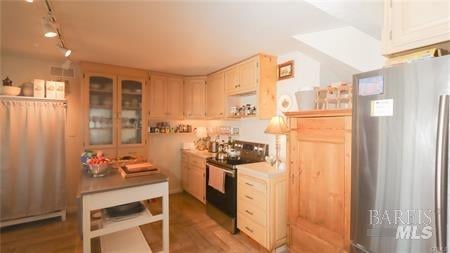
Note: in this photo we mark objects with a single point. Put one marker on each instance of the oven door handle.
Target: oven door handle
(232, 173)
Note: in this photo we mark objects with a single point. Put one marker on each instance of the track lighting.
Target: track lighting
(49, 29)
(66, 52)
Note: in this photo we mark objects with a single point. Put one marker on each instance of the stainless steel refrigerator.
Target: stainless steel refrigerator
(400, 158)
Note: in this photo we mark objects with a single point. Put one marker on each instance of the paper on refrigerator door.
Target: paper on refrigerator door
(382, 108)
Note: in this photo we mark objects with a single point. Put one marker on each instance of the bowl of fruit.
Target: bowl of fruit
(98, 165)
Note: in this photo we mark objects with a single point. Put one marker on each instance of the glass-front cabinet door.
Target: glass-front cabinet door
(101, 110)
(131, 103)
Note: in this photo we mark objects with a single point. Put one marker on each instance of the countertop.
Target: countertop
(203, 154)
(261, 169)
(115, 181)
(320, 113)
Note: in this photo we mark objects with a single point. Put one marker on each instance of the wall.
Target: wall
(20, 69)
(165, 149)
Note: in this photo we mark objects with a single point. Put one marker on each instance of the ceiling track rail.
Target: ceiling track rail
(52, 18)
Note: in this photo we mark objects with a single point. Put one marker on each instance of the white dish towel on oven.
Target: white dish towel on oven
(216, 178)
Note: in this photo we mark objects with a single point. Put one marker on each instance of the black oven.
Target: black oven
(222, 207)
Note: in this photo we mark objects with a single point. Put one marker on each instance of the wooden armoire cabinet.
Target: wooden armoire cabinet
(319, 156)
(113, 111)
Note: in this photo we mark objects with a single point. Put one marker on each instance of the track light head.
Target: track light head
(49, 29)
(66, 52)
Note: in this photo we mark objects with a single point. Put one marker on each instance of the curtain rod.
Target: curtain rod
(3, 97)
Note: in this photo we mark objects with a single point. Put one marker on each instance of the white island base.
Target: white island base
(125, 241)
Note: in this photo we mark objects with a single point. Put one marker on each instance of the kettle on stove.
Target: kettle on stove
(221, 154)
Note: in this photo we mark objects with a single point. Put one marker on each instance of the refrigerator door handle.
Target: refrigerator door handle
(360, 247)
(441, 173)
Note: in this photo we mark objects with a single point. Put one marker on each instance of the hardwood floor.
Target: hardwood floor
(191, 230)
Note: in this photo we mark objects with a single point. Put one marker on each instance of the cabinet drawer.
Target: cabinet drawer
(252, 197)
(252, 183)
(252, 212)
(197, 162)
(252, 229)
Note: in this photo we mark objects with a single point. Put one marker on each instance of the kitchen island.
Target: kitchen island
(113, 190)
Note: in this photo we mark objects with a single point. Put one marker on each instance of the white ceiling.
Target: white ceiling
(364, 15)
(348, 45)
(183, 37)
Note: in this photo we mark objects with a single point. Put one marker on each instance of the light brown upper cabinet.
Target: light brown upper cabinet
(194, 97)
(215, 95)
(232, 79)
(252, 82)
(242, 77)
(157, 95)
(319, 191)
(166, 97)
(248, 75)
(174, 96)
(410, 24)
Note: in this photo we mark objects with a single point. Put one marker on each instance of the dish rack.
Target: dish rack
(337, 95)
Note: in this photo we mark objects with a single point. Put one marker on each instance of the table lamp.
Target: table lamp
(277, 126)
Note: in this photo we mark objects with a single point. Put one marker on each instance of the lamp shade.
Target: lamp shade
(201, 132)
(277, 125)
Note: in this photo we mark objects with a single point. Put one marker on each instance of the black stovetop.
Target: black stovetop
(251, 152)
(229, 163)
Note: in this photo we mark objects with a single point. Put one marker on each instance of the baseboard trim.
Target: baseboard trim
(61, 214)
(176, 190)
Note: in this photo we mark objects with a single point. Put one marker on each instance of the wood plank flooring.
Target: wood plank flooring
(191, 230)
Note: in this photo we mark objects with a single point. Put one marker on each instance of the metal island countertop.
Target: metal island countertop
(114, 181)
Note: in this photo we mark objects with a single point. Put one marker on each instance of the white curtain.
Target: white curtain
(32, 157)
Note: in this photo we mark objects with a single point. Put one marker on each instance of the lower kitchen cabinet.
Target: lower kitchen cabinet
(261, 204)
(197, 183)
(193, 169)
(319, 191)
